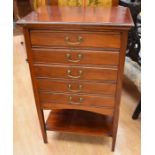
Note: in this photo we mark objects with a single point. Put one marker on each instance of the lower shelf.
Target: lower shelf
(79, 121)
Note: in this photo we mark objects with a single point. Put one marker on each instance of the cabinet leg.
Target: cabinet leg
(42, 126)
(137, 111)
(114, 131)
(113, 143)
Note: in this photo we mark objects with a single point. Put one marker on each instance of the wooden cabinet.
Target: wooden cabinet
(76, 58)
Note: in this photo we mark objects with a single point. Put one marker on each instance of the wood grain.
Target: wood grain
(79, 15)
(88, 73)
(35, 90)
(88, 57)
(111, 35)
(76, 86)
(104, 111)
(27, 137)
(119, 86)
(80, 122)
(89, 39)
(74, 99)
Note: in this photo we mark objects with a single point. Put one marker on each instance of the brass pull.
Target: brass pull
(69, 42)
(68, 56)
(75, 91)
(74, 77)
(71, 102)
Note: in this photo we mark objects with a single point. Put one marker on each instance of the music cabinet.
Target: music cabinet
(76, 59)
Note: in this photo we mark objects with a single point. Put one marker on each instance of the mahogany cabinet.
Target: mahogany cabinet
(76, 58)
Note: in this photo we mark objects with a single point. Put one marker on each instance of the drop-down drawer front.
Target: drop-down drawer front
(77, 99)
(78, 73)
(75, 56)
(73, 86)
(75, 39)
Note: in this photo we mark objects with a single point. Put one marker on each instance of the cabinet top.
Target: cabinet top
(103, 16)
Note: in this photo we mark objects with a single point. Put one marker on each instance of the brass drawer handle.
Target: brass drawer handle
(69, 72)
(69, 42)
(71, 102)
(68, 56)
(75, 91)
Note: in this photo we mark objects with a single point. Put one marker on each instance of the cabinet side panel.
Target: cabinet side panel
(124, 37)
(35, 90)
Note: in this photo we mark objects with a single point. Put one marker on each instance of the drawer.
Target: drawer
(81, 73)
(83, 100)
(75, 39)
(84, 57)
(76, 86)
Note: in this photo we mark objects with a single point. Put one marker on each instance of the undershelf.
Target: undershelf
(79, 121)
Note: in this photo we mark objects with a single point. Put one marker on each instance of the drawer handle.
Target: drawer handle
(71, 102)
(69, 72)
(69, 42)
(75, 91)
(68, 56)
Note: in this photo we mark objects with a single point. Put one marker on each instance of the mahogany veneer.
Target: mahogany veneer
(88, 57)
(52, 38)
(82, 122)
(51, 85)
(78, 72)
(76, 58)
